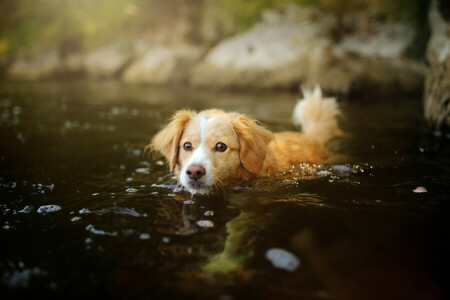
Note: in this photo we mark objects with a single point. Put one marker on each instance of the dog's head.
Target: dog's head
(211, 148)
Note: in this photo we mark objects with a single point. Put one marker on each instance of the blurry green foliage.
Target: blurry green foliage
(240, 15)
(84, 24)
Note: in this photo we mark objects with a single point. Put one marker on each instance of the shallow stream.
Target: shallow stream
(370, 223)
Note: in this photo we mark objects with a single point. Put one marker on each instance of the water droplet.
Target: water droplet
(144, 236)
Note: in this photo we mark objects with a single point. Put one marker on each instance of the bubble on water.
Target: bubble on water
(84, 211)
(171, 195)
(341, 168)
(142, 186)
(283, 259)
(88, 241)
(323, 173)
(21, 137)
(143, 170)
(95, 194)
(189, 202)
(136, 152)
(131, 190)
(48, 208)
(420, 189)
(177, 190)
(26, 210)
(91, 229)
(209, 213)
(129, 179)
(205, 223)
(144, 236)
(165, 240)
(6, 227)
(74, 219)
(154, 193)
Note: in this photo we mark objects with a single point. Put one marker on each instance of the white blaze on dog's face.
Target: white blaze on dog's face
(208, 153)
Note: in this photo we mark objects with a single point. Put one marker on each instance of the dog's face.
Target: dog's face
(211, 148)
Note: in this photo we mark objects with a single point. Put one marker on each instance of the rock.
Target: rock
(205, 223)
(163, 64)
(108, 61)
(48, 208)
(35, 65)
(278, 52)
(437, 83)
(283, 259)
(419, 190)
(296, 44)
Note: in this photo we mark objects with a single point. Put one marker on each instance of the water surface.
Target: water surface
(120, 227)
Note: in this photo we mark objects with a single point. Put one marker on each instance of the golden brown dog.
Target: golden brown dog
(213, 147)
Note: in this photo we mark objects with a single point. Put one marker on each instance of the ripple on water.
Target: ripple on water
(117, 210)
(91, 229)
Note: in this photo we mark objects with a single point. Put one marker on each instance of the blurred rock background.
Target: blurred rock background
(364, 46)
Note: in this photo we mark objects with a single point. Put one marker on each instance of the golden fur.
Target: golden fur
(252, 150)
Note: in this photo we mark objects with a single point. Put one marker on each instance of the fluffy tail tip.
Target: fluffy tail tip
(317, 115)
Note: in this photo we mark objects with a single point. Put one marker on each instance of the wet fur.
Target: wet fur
(260, 152)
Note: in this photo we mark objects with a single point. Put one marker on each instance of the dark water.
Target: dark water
(355, 223)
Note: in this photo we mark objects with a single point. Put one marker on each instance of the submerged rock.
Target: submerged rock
(283, 259)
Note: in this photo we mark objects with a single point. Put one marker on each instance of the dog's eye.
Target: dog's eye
(187, 146)
(221, 147)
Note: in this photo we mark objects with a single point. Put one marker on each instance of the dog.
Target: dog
(211, 148)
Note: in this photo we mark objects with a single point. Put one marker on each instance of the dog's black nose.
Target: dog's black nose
(195, 171)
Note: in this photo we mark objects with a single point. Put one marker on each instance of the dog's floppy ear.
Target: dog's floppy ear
(166, 141)
(253, 142)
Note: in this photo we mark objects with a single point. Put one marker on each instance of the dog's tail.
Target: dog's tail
(317, 115)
